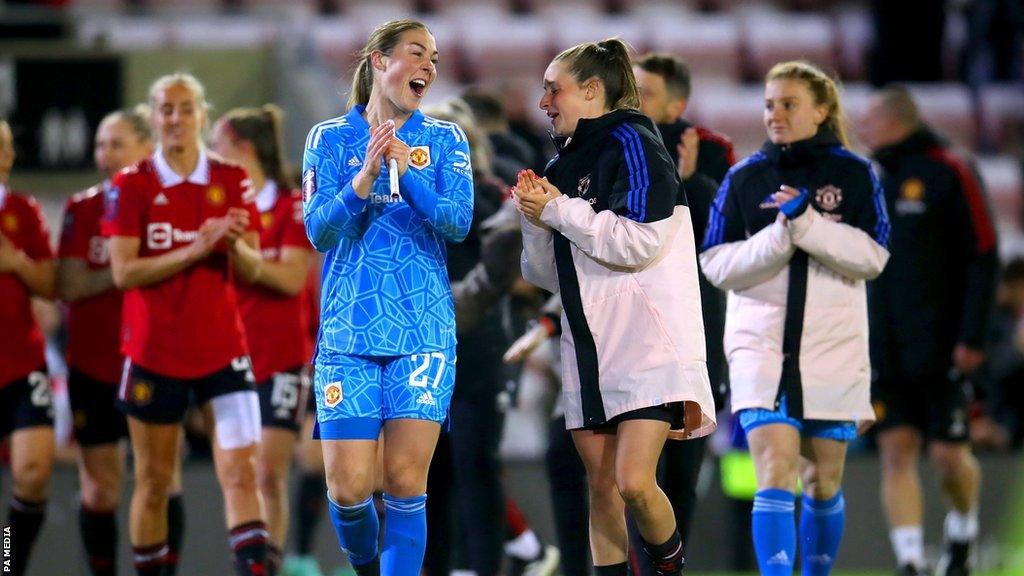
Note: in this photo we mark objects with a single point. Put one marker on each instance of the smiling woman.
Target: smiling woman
(384, 367)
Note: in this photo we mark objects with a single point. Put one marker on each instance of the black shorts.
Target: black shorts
(284, 399)
(95, 416)
(670, 413)
(938, 407)
(26, 402)
(158, 399)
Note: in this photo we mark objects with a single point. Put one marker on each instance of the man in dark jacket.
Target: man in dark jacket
(702, 158)
(930, 311)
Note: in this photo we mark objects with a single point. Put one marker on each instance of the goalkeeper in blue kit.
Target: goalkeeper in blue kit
(384, 366)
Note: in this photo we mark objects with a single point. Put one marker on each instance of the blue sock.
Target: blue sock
(357, 528)
(821, 529)
(405, 535)
(774, 531)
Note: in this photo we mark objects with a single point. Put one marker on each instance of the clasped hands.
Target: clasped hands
(531, 194)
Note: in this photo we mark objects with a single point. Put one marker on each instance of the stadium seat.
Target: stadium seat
(710, 45)
(734, 110)
(771, 37)
(948, 108)
(854, 36)
(1001, 110)
(1001, 176)
(497, 44)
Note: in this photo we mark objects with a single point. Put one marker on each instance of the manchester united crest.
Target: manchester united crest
(215, 195)
(332, 394)
(142, 392)
(9, 223)
(419, 157)
(583, 186)
(828, 198)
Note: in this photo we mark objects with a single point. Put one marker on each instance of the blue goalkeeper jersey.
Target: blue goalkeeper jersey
(385, 289)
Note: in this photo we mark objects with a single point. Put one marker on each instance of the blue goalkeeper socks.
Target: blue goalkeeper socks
(821, 529)
(357, 528)
(774, 531)
(405, 535)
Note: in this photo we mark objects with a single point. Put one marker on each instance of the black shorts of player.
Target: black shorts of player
(26, 402)
(94, 412)
(157, 399)
(937, 407)
(284, 399)
(670, 413)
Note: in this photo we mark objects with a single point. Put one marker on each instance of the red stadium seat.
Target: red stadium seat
(734, 110)
(771, 37)
(497, 44)
(948, 108)
(710, 45)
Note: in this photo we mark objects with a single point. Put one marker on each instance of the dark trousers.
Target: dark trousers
(568, 481)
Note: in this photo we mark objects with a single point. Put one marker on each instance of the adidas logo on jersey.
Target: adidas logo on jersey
(780, 558)
(160, 200)
(353, 162)
(427, 398)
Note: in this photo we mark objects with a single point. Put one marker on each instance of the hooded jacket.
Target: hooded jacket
(618, 246)
(796, 319)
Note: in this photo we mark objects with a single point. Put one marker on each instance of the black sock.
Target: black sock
(611, 570)
(25, 518)
(667, 558)
(249, 543)
(175, 531)
(150, 560)
(309, 509)
(99, 535)
(371, 568)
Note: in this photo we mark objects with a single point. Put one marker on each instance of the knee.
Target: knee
(635, 489)
(951, 460)
(238, 475)
(822, 483)
(776, 471)
(404, 479)
(271, 482)
(153, 486)
(100, 495)
(350, 487)
(602, 488)
(31, 478)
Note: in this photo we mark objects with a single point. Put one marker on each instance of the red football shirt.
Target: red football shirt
(277, 325)
(186, 326)
(94, 323)
(21, 340)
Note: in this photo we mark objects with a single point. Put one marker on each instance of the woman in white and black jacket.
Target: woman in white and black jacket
(608, 229)
(794, 232)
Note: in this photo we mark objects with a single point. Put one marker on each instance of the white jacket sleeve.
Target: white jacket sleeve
(538, 260)
(605, 236)
(746, 263)
(845, 249)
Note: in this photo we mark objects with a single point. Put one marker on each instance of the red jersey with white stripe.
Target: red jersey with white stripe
(21, 341)
(188, 325)
(94, 323)
(276, 324)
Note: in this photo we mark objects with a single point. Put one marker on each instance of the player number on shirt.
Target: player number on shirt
(40, 395)
(420, 377)
(285, 395)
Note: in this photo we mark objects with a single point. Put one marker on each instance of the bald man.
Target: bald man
(929, 310)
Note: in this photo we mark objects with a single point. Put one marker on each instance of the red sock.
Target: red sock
(514, 519)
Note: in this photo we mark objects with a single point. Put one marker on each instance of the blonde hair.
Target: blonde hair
(178, 78)
(383, 39)
(824, 88)
(137, 119)
(607, 60)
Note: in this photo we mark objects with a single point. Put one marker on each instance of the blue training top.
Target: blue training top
(385, 289)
